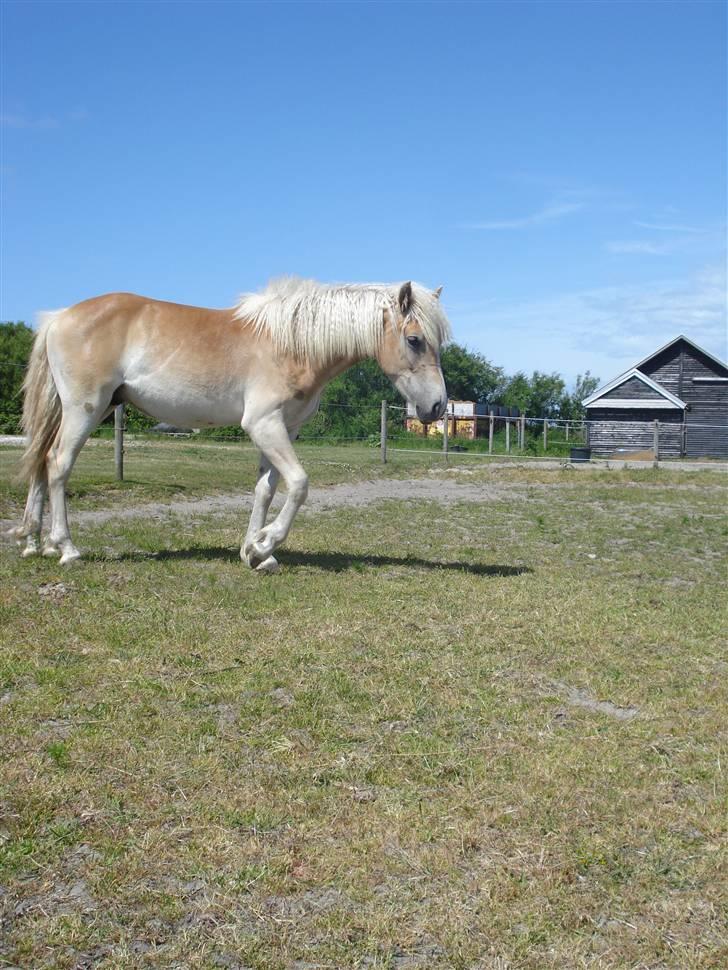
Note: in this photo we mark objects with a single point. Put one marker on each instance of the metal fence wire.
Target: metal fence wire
(517, 438)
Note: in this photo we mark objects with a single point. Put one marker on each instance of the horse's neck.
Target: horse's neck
(327, 372)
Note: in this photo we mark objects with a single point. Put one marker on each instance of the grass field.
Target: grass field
(477, 733)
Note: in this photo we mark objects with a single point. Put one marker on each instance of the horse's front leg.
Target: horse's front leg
(269, 433)
(265, 489)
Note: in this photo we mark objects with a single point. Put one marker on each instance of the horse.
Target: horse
(262, 363)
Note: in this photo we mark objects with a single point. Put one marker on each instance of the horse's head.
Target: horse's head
(415, 327)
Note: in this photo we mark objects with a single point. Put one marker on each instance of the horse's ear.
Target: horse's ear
(405, 298)
(438, 291)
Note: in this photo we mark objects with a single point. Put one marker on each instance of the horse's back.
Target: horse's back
(107, 325)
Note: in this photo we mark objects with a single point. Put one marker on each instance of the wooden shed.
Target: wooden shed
(681, 386)
(466, 419)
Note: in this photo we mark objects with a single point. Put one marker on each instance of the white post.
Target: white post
(383, 433)
(656, 443)
(491, 421)
(446, 431)
(508, 435)
(119, 441)
(545, 434)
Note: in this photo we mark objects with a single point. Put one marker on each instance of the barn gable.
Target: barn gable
(633, 390)
(658, 362)
(680, 386)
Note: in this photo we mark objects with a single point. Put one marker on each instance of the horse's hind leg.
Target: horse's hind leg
(77, 424)
(33, 517)
(264, 491)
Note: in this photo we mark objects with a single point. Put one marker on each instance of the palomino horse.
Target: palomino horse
(262, 363)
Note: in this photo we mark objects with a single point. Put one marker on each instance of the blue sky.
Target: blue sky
(559, 167)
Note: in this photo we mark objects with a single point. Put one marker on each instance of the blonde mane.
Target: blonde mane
(320, 322)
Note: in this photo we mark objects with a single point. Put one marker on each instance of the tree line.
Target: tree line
(350, 403)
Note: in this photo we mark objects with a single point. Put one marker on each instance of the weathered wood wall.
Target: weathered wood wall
(634, 389)
(610, 431)
(690, 375)
(696, 379)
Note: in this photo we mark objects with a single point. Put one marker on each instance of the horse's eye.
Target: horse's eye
(414, 342)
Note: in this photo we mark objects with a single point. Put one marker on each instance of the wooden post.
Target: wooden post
(545, 434)
(508, 435)
(383, 433)
(684, 439)
(491, 422)
(445, 431)
(656, 443)
(119, 441)
(567, 430)
(523, 431)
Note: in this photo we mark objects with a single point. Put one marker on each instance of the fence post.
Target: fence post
(523, 431)
(545, 434)
(383, 433)
(684, 439)
(491, 421)
(445, 430)
(656, 443)
(508, 435)
(567, 430)
(119, 441)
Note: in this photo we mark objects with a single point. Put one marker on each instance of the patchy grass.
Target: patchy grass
(474, 735)
(157, 469)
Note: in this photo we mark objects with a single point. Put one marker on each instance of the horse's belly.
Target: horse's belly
(185, 406)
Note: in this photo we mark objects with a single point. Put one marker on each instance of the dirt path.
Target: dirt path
(440, 489)
(319, 499)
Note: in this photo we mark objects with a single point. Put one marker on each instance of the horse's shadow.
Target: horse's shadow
(335, 562)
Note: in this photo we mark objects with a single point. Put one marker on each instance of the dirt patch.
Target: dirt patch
(62, 899)
(55, 591)
(319, 499)
(284, 908)
(582, 698)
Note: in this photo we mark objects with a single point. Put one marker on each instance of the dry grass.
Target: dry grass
(467, 736)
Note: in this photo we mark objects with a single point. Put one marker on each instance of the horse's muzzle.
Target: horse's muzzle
(434, 414)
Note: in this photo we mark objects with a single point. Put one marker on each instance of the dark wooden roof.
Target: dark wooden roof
(633, 389)
(645, 365)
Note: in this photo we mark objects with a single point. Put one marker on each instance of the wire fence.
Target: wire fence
(393, 429)
(489, 437)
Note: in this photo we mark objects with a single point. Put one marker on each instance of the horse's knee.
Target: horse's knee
(298, 486)
(264, 489)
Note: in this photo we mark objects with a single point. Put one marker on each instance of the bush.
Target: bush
(16, 341)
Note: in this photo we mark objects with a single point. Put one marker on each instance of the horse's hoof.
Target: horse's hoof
(269, 565)
(262, 546)
(70, 556)
(50, 551)
(29, 551)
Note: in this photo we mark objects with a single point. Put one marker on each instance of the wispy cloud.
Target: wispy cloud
(43, 123)
(22, 121)
(638, 246)
(662, 227)
(547, 214)
(605, 330)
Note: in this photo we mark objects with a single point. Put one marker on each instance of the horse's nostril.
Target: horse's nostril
(437, 407)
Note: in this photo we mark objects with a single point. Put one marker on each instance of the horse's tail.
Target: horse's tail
(42, 404)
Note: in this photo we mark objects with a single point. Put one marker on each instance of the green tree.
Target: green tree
(572, 408)
(350, 404)
(16, 341)
(469, 376)
(538, 396)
